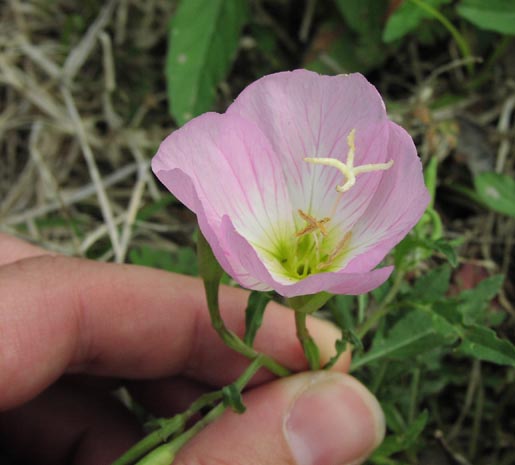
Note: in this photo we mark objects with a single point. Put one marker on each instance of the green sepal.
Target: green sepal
(209, 268)
(309, 303)
(254, 314)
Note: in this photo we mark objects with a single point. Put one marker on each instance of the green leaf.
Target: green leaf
(363, 16)
(148, 211)
(433, 285)
(403, 441)
(407, 18)
(360, 47)
(254, 314)
(496, 191)
(417, 332)
(445, 248)
(232, 398)
(474, 302)
(182, 261)
(340, 346)
(482, 343)
(412, 245)
(203, 41)
(493, 15)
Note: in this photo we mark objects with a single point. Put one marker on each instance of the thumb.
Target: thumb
(307, 419)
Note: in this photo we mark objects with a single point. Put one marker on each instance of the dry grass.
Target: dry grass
(82, 111)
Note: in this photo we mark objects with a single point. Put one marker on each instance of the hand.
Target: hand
(71, 330)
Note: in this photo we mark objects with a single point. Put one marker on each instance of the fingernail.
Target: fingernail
(333, 421)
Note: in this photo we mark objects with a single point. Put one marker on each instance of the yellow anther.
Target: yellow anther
(313, 225)
(348, 169)
(340, 247)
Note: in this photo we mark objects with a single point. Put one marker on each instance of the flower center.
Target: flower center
(315, 247)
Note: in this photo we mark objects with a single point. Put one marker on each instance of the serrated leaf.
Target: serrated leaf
(482, 343)
(493, 15)
(417, 332)
(406, 18)
(433, 285)
(232, 398)
(474, 302)
(496, 191)
(340, 346)
(203, 40)
(256, 305)
(442, 246)
(402, 441)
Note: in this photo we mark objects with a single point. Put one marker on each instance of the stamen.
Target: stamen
(338, 249)
(313, 225)
(347, 169)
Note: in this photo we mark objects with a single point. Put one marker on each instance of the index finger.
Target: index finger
(61, 314)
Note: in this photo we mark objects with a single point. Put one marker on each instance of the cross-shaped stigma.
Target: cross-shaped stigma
(348, 169)
(312, 225)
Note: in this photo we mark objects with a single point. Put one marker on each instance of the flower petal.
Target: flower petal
(226, 254)
(398, 203)
(304, 115)
(337, 283)
(233, 171)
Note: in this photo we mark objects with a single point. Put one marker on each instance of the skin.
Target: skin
(72, 330)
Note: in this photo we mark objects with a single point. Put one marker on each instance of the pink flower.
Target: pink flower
(303, 185)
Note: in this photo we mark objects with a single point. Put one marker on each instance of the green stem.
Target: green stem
(383, 307)
(308, 344)
(167, 429)
(231, 339)
(460, 41)
(211, 273)
(151, 450)
(169, 451)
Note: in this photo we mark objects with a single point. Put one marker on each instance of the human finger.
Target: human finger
(13, 249)
(69, 424)
(307, 419)
(64, 314)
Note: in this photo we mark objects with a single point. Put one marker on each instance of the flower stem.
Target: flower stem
(154, 450)
(308, 344)
(169, 451)
(231, 339)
